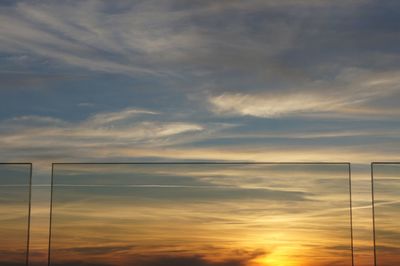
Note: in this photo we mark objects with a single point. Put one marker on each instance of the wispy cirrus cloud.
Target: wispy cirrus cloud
(87, 35)
(349, 95)
(127, 126)
(112, 117)
(155, 38)
(140, 133)
(123, 125)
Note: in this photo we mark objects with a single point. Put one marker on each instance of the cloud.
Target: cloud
(238, 257)
(111, 117)
(314, 59)
(36, 120)
(317, 64)
(176, 260)
(99, 250)
(125, 126)
(40, 137)
(85, 34)
(168, 38)
(349, 95)
(189, 260)
(271, 106)
(136, 134)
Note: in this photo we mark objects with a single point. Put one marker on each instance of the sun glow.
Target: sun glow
(281, 256)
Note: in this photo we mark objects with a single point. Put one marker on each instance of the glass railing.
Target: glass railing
(15, 187)
(201, 214)
(386, 197)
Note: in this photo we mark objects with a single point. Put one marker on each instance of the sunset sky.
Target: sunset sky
(208, 215)
(387, 216)
(14, 213)
(200, 80)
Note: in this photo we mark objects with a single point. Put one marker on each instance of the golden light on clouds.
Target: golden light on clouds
(204, 214)
(386, 208)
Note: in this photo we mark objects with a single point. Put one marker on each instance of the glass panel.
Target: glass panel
(387, 213)
(201, 215)
(15, 182)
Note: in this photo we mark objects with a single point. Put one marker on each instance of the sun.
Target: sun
(282, 256)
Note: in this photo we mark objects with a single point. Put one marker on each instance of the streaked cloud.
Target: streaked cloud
(349, 95)
(272, 106)
(110, 117)
(138, 133)
(101, 128)
(226, 223)
(165, 38)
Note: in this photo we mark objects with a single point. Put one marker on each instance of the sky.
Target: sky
(200, 214)
(174, 80)
(386, 187)
(14, 213)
